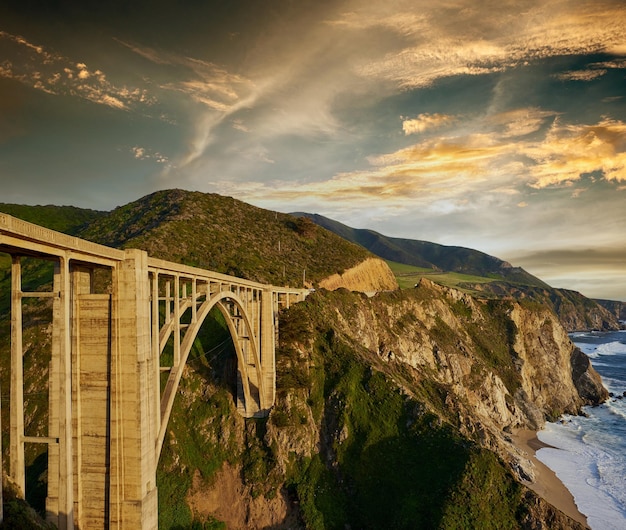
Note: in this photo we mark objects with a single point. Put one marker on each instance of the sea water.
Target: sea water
(590, 452)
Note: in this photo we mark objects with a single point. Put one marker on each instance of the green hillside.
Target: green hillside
(410, 275)
(66, 219)
(429, 255)
(228, 236)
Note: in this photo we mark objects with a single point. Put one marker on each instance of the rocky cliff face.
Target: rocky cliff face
(616, 308)
(414, 392)
(575, 311)
(371, 275)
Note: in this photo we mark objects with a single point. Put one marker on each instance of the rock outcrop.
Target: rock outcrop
(371, 275)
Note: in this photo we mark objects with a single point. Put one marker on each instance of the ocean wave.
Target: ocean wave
(611, 348)
(593, 474)
(617, 410)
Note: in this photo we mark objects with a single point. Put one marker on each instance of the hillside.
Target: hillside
(616, 308)
(475, 272)
(228, 236)
(66, 219)
(428, 255)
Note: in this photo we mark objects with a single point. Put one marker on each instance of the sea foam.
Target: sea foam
(589, 453)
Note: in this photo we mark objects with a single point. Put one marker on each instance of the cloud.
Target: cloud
(495, 163)
(466, 38)
(54, 74)
(520, 122)
(141, 153)
(598, 272)
(424, 122)
(581, 75)
(570, 151)
(593, 71)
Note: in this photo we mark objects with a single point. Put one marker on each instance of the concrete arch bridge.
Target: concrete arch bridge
(108, 411)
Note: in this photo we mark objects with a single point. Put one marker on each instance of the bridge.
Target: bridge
(123, 325)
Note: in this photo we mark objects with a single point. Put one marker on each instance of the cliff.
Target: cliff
(370, 275)
(575, 311)
(618, 309)
(393, 411)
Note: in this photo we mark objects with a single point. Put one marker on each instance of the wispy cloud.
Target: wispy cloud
(501, 160)
(466, 38)
(570, 151)
(520, 122)
(143, 153)
(55, 74)
(593, 71)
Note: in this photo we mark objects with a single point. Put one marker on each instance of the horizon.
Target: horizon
(496, 127)
(383, 234)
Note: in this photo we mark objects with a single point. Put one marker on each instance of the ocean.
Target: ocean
(590, 452)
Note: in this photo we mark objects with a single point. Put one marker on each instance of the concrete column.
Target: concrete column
(16, 438)
(156, 353)
(177, 302)
(63, 351)
(1, 467)
(133, 431)
(268, 351)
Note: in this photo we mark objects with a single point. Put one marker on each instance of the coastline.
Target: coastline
(546, 483)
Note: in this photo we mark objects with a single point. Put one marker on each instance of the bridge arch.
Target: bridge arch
(246, 349)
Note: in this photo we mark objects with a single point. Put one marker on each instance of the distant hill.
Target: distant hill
(429, 255)
(475, 272)
(617, 308)
(66, 219)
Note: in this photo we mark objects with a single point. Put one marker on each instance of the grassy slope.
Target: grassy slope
(409, 275)
(229, 236)
(430, 255)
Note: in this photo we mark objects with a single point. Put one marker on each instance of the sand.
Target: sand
(546, 483)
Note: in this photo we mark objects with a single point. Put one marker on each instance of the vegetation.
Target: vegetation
(225, 235)
(374, 435)
(409, 275)
(431, 256)
(66, 219)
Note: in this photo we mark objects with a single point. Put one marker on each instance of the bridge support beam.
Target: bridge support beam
(16, 444)
(133, 418)
(268, 350)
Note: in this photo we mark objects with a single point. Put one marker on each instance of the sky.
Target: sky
(495, 125)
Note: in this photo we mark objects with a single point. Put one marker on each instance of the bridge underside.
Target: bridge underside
(122, 323)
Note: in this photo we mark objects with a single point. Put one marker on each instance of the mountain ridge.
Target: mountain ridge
(426, 254)
(577, 312)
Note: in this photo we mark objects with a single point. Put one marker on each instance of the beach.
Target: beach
(546, 484)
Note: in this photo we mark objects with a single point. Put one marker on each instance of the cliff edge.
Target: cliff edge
(371, 275)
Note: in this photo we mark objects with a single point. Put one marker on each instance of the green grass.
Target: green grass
(408, 275)
(395, 465)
